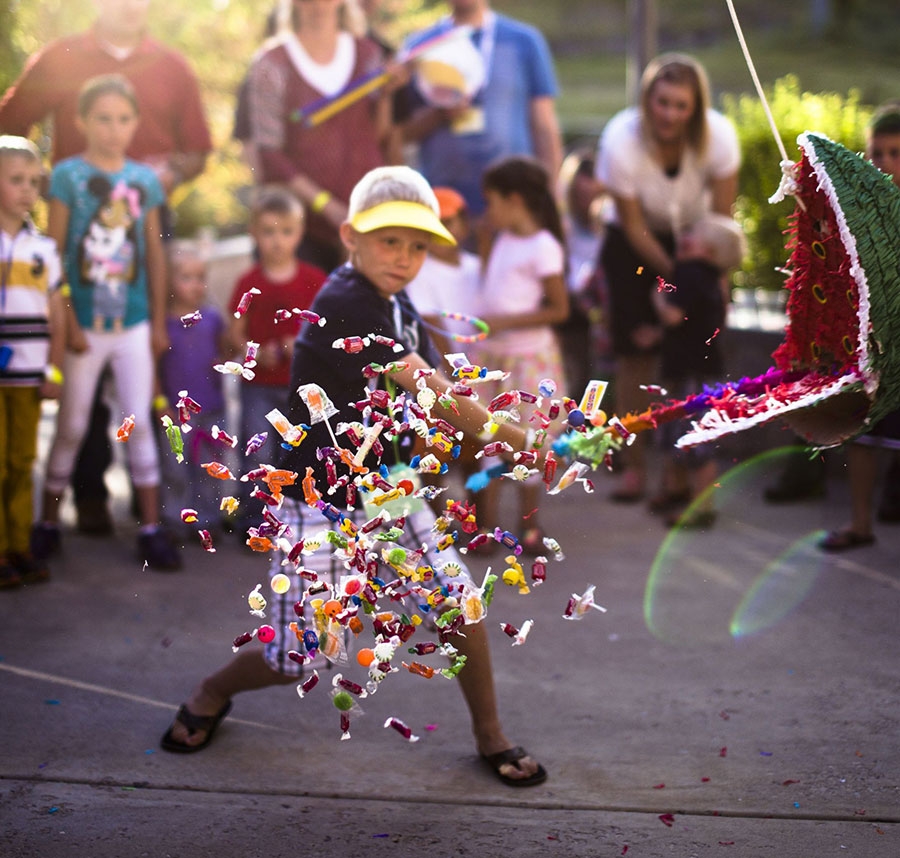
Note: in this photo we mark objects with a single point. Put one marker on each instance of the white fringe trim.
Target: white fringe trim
(714, 424)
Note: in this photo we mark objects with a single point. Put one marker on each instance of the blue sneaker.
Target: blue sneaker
(157, 550)
(45, 541)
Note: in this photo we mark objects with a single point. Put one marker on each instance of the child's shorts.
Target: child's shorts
(305, 522)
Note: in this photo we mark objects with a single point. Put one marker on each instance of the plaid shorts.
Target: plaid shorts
(305, 522)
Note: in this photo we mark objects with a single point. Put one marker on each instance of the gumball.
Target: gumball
(332, 608)
(280, 583)
(265, 634)
(396, 556)
(343, 701)
(575, 418)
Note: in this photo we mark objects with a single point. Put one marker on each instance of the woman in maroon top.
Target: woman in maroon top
(318, 56)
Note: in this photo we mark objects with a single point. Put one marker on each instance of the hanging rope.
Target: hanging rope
(787, 179)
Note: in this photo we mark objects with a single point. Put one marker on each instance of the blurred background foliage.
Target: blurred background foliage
(842, 118)
(826, 63)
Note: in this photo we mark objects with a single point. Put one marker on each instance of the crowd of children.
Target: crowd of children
(115, 296)
(126, 295)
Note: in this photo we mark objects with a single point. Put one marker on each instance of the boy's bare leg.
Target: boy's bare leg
(476, 681)
(148, 503)
(246, 672)
(862, 471)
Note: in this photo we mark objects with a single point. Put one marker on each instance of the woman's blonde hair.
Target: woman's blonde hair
(353, 19)
(682, 70)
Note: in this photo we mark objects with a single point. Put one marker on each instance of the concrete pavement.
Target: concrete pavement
(739, 697)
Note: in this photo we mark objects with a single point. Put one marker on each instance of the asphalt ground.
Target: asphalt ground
(739, 697)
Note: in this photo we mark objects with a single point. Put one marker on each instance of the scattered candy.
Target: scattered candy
(244, 303)
(232, 367)
(578, 606)
(206, 541)
(254, 444)
(401, 728)
(174, 437)
(218, 470)
(123, 433)
(223, 437)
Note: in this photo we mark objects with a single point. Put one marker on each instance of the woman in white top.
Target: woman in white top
(665, 164)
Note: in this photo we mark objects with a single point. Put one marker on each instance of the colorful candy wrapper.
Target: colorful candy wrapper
(123, 433)
(244, 303)
(174, 437)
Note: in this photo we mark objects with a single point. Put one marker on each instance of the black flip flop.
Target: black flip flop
(513, 755)
(842, 540)
(194, 724)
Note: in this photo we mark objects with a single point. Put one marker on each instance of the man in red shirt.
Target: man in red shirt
(172, 137)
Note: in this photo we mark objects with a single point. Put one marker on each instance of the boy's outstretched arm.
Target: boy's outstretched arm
(472, 414)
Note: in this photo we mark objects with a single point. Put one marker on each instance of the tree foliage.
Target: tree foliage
(219, 38)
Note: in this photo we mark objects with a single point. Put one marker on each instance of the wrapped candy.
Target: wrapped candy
(229, 505)
(550, 465)
(317, 401)
(351, 345)
(344, 702)
(291, 434)
(494, 448)
(186, 407)
(254, 444)
(123, 433)
(401, 728)
(310, 316)
(243, 639)
(520, 473)
(308, 684)
(257, 602)
(174, 437)
(575, 472)
(223, 437)
(218, 470)
(508, 540)
(251, 354)
(518, 635)
(386, 341)
(188, 320)
(232, 367)
(244, 303)
(578, 606)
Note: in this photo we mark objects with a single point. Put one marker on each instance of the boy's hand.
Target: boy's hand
(50, 390)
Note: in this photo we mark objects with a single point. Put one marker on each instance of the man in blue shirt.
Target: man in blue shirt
(513, 113)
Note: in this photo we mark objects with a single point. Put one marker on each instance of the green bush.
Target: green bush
(842, 118)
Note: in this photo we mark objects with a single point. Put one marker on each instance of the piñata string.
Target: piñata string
(787, 180)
